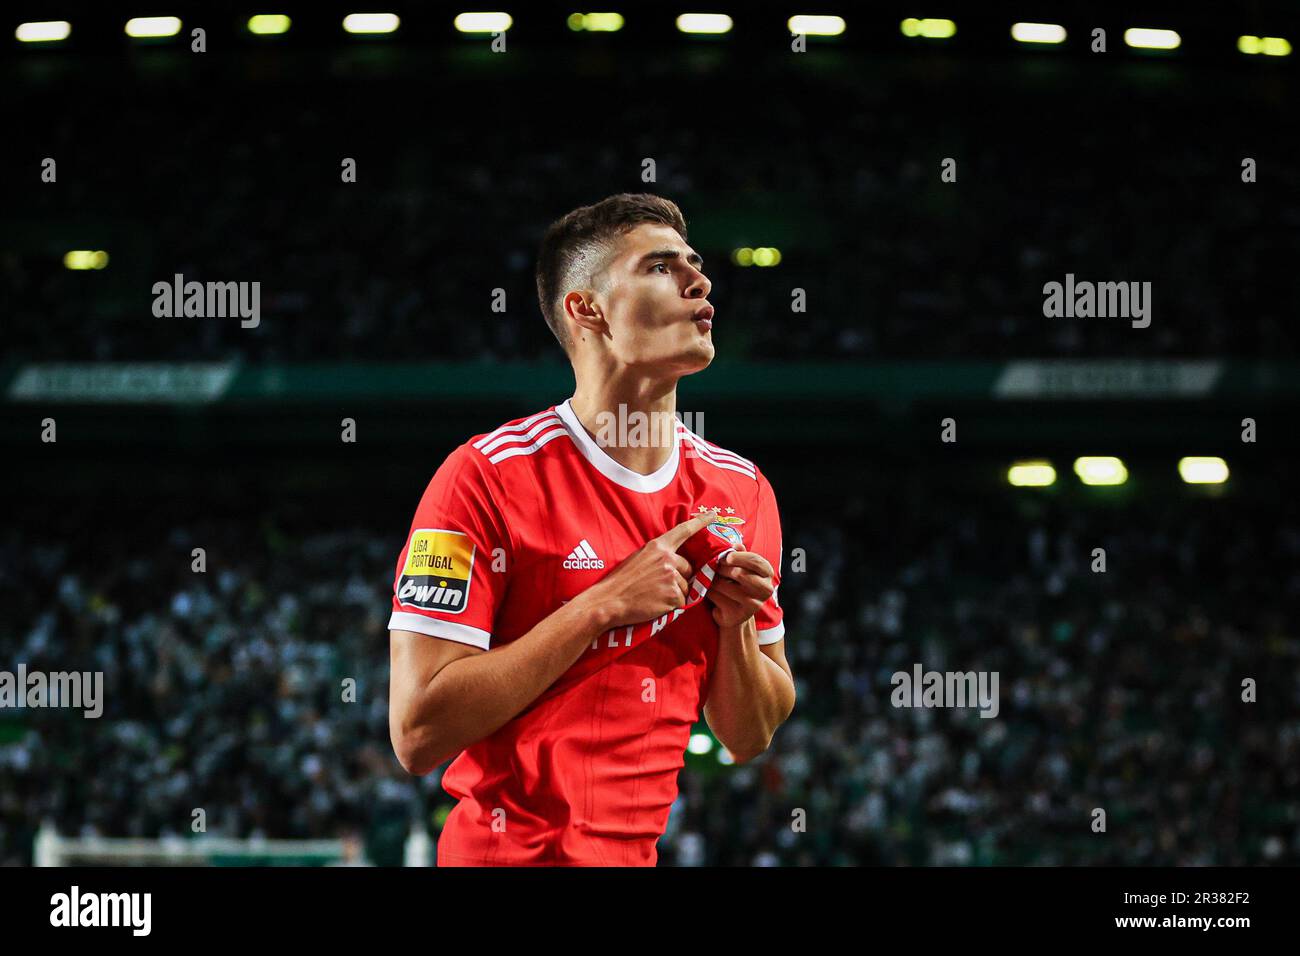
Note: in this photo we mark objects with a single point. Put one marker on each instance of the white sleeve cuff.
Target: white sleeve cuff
(773, 634)
(463, 633)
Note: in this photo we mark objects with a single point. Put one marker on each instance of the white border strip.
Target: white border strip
(435, 627)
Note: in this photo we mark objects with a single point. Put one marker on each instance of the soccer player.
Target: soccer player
(537, 628)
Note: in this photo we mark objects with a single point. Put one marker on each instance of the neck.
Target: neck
(632, 417)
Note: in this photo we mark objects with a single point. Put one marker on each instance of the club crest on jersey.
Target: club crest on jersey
(727, 527)
(728, 533)
(436, 575)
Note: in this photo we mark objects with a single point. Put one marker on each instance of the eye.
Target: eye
(660, 265)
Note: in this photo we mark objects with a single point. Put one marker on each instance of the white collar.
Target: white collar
(607, 466)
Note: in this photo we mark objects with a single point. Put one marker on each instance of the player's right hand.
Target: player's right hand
(652, 581)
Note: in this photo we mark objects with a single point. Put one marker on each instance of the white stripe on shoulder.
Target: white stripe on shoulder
(519, 427)
(726, 467)
(528, 449)
(716, 450)
(699, 453)
(520, 437)
(715, 456)
(733, 463)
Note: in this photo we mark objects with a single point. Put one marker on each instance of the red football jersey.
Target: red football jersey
(515, 523)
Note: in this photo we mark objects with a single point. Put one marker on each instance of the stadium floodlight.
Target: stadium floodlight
(80, 259)
(46, 31)
(371, 22)
(1100, 470)
(929, 29)
(596, 22)
(816, 26)
(145, 27)
(483, 22)
(767, 256)
(1144, 38)
(744, 256)
(1206, 470)
(724, 757)
(268, 24)
(704, 23)
(700, 744)
(1268, 46)
(1038, 33)
(1031, 474)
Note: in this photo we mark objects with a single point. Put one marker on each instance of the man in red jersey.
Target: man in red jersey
(545, 627)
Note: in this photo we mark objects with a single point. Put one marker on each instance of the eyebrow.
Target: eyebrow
(694, 258)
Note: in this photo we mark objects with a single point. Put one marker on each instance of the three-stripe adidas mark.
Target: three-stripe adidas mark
(583, 557)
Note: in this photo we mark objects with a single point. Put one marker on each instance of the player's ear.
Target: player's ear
(580, 306)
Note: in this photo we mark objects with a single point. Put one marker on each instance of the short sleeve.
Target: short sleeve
(451, 573)
(766, 540)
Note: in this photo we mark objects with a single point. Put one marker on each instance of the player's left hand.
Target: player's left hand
(742, 585)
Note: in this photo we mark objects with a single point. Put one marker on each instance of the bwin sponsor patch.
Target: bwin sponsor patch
(436, 575)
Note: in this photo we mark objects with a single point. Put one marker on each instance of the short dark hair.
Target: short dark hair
(576, 246)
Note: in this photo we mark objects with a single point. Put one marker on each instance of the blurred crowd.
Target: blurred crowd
(1119, 690)
(455, 182)
(225, 689)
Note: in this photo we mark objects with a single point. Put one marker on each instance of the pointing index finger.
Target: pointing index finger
(676, 537)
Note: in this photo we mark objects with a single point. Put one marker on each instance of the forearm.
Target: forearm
(472, 697)
(750, 695)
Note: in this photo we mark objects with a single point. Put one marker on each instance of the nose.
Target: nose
(700, 286)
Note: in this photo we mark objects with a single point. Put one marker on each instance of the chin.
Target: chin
(689, 359)
(699, 358)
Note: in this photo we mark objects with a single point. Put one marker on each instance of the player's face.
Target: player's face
(656, 303)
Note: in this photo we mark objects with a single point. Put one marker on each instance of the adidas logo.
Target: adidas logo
(583, 557)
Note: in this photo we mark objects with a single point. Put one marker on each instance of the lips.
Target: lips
(704, 316)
